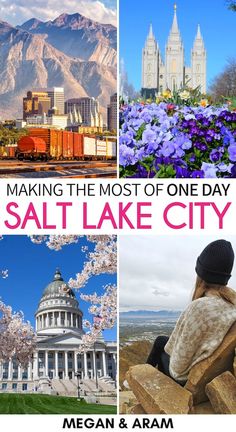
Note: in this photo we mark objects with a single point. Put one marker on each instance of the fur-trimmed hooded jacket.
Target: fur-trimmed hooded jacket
(199, 332)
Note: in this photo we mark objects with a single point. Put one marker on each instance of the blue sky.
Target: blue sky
(31, 267)
(218, 26)
(19, 11)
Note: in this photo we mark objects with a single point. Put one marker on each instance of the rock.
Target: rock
(127, 400)
(132, 355)
(234, 366)
(136, 409)
(157, 393)
(206, 370)
(222, 393)
(203, 408)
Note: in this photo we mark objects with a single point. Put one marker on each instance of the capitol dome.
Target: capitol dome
(58, 310)
(57, 286)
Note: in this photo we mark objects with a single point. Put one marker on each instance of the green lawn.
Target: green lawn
(44, 404)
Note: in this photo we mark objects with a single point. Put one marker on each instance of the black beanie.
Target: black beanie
(215, 263)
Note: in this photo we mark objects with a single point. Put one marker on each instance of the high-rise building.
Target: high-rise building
(36, 102)
(86, 110)
(112, 113)
(172, 74)
(57, 99)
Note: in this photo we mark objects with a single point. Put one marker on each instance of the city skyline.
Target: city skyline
(219, 45)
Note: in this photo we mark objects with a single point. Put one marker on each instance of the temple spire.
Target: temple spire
(175, 28)
(199, 36)
(150, 35)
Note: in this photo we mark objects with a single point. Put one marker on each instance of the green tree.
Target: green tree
(224, 85)
(232, 5)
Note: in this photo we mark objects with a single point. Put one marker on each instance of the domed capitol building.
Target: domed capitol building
(172, 74)
(57, 368)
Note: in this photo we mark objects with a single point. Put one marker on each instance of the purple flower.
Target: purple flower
(148, 136)
(168, 148)
(209, 170)
(215, 155)
(222, 167)
(127, 156)
(197, 174)
(182, 172)
(232, 153)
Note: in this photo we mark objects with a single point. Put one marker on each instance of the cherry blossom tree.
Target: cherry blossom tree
(17, 337)
(101, 260)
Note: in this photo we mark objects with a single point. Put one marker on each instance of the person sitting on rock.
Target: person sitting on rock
(202, 327)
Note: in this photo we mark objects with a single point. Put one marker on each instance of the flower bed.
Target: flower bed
(165, 140)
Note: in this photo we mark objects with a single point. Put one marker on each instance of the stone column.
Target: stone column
(36, 325)
(56, 364)
(94, 364)
(66, 365)
(35, 365)
(10, 370)
(75, 362)
(104, 363)
(114, 360)
(66, 319)
(30, 371)
(85, 366)
(1, 370)
(19, 373)
(46, 362)
(47, 319)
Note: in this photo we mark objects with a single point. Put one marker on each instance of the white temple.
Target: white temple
(172, 73)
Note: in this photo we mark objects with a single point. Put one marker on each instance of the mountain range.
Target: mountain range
(72, 51)
(147, 313)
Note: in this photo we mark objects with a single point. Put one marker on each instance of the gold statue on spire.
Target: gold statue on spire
(175, 6)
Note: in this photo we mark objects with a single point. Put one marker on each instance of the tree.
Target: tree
(127, 90)
(224, 85)
(232, 5)
(17, 337)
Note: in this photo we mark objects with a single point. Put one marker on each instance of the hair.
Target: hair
(202, 287)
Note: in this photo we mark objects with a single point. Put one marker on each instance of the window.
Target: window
(25, 375)
(24, 387)
(89, 365)
(14, 386)
(4, 386)
(15, 375)
(109, 367)
(97, 355)
(174, 66)
(5, 375)
(88, 355)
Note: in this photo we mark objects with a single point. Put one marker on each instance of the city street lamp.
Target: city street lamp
(78, 375)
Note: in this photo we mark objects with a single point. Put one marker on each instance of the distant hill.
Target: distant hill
(71, 52)
(144, 313)
(78, 36)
